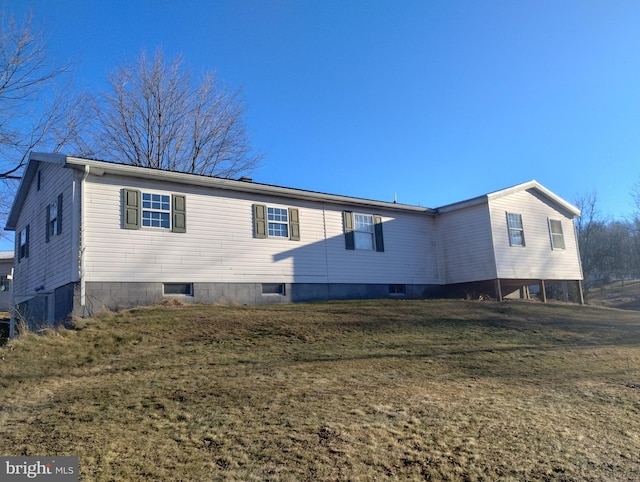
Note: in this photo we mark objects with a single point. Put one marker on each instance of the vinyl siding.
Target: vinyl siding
(537, 259)
(408, 257)
(49, 265)
(465, 245)
(219, 245)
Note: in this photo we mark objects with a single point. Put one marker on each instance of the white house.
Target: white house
(92, 235)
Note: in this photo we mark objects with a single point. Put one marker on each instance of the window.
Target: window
(273, 222)
(54, 218)
(363, 231)
(151, 210)
(184, 289)
(397, 290)
(278, 222)
(557, 236)
(156, 210)
(273, 289)
(516, 230)
(22, 243)
(4, 283)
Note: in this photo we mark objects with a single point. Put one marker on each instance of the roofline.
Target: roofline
(104, 167)
(29, 172)
(485, 198)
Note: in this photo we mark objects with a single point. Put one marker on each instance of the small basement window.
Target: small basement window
(173, 289)
(273, 289)
(397, 290)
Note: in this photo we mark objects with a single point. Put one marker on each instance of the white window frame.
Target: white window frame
(555, 236)
(516, 230)
(158, 206)
(277, 222)
(364, 232)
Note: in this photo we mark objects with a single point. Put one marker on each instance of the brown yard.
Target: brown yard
(422, 390)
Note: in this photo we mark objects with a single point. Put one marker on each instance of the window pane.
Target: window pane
(515, 220)
(516, 238)
(178, 289)
(278, 229)
(363, 222)
(273, 289)
(363, 240)
(277, 214)
(557, 237)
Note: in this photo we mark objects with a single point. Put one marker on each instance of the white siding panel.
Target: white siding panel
(408, 257)
(219, 243)
(465, 245)
(537, 259)
(49, 265)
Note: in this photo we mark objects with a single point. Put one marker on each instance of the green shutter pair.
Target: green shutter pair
(132, 211)
(59, 219)
(260, 222)
(349, 235)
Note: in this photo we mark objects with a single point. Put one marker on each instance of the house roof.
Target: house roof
(99, 168)
(6, 255)
(103, 167)
(526, 186)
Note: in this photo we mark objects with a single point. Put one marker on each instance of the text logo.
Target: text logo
(50, 469)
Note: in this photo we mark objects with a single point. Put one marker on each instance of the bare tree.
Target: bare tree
(33, 113)
(156, 116)
(589, 228)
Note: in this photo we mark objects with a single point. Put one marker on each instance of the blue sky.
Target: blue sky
(437, 101)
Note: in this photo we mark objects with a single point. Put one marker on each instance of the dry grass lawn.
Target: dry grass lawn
(359, 390)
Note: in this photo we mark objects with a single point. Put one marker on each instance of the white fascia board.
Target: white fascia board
(102, 167)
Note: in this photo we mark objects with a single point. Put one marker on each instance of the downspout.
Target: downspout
(83, 237)
(12, 317)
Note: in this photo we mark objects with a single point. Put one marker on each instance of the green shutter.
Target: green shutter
(179, 213)
(259, 221)
(48, 225)
(349, 237)
(377, 222)
(59, 214)
(131, 209)
(294, 225)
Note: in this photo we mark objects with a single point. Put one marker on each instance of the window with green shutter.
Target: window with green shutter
(363, 231)
(154, 210)
(276, 222)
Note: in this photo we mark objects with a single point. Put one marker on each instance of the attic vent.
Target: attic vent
(246, 179)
